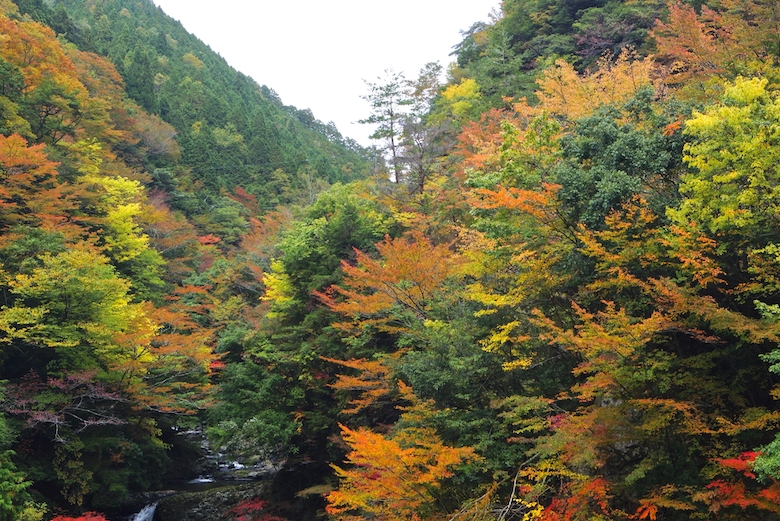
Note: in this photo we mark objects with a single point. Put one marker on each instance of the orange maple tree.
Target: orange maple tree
(721, 40)
(400, 476)
(372, 383)
(30, 192)
(409, 272)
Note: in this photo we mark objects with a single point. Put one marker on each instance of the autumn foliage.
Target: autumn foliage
(88, 516)
(564, 305)
(563, 91)
(407, 275)
(388, 479)
(252, 510)
(86, 353)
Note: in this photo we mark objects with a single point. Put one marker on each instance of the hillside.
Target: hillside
(230, 130)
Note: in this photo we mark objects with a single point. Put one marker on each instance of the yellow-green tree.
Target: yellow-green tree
(734, 188)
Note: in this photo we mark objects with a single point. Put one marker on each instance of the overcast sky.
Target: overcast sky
(316, 53)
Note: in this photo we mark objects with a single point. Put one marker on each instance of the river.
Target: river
(146, 513)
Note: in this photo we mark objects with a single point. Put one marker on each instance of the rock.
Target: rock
(210, 505)
(136, 502)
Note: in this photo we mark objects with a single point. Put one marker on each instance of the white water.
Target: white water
(201, 479)
(146, 513)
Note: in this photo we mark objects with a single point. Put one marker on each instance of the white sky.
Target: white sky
(316, 53)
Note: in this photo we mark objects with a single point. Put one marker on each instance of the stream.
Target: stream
(294, 493)
(146, 513)
(221, 485)
(201, 500)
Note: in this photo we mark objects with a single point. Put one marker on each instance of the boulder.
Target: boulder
(210, 505)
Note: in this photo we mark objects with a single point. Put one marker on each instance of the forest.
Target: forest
(551, 293)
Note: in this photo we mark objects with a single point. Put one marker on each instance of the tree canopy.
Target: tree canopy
(555, 296)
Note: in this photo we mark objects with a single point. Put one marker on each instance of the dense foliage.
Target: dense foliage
(227, 130)
(557, 299)
(113, 284)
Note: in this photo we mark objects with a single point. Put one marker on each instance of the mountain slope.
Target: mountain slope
(232, 131)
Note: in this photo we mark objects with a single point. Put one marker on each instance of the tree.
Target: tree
(67, 405)
(614, 27)
(735, 188)
(415, 141)
(616, 153)
(53, 110)
(381, 293)
(387, 101)
(458, 102)
(722, 41)
(426, 139)
(116, 203)
(13, 486)
(158, 138)
(139, 75)
(563, 91)
(73, 299)
(35, 50)
(30, 192)
(280, 353)
(396, 477)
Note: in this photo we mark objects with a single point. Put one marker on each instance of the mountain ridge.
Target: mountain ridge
(232, 130)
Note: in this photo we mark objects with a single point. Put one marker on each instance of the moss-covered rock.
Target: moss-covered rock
(210, 505)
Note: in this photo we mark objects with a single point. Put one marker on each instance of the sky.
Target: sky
(316, 54)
